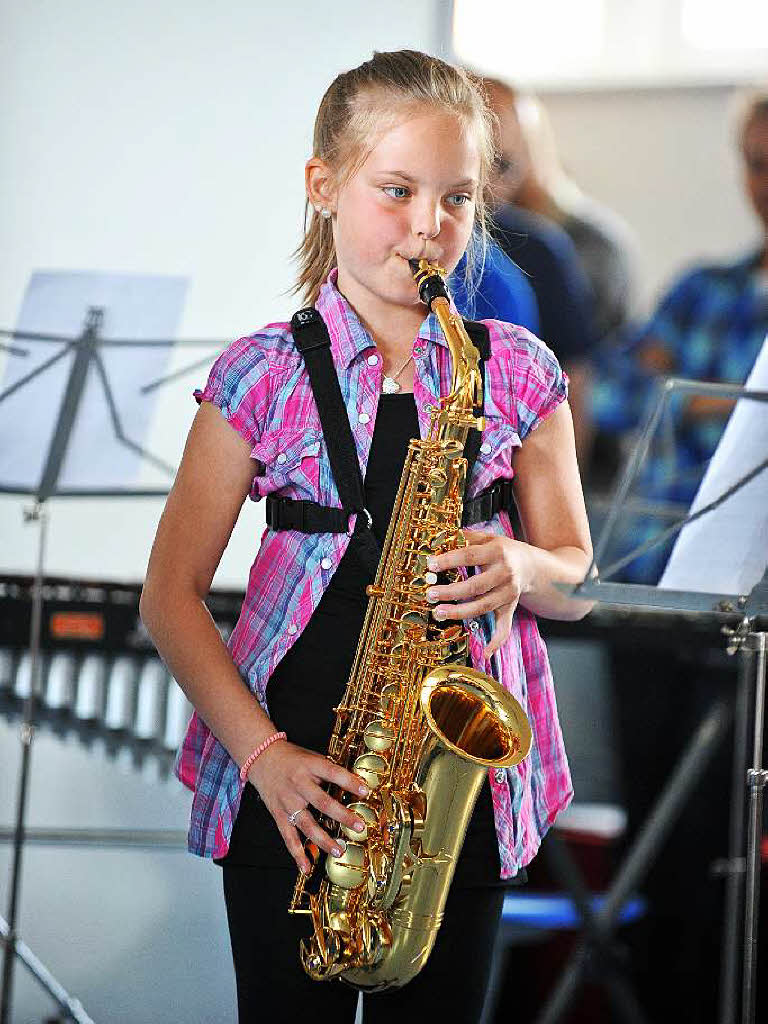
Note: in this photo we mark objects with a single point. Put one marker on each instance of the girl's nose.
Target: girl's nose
(426, 221)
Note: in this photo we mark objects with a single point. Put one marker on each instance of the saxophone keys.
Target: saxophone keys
(414, 619)
(369, 817)
(371, 768)
(378, 736)
(388, 697)
(379, 871)
(349, 870)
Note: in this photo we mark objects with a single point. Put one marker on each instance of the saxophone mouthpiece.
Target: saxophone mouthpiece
(429, 280)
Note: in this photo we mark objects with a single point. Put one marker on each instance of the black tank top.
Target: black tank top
(311, 678)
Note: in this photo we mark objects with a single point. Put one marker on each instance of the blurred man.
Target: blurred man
(548, 257)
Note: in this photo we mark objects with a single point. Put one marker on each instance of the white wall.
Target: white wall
(167, 137)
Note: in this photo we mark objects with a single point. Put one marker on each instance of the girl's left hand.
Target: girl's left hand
(505, 574)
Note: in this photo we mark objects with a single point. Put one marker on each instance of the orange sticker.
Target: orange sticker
(77, 626)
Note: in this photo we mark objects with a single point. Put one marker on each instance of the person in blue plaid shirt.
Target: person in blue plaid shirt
(709, 326)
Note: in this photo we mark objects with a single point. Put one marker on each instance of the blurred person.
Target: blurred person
(402, 149)
(602, 240)
(549, 259)
(710, 326)
(502, 291)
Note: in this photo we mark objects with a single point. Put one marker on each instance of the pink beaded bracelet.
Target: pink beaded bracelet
(259, 750)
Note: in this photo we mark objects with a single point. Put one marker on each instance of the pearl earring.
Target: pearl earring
(325, 214)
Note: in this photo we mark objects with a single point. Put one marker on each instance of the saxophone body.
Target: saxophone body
(416, 723)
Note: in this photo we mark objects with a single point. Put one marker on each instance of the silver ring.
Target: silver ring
(292, 817)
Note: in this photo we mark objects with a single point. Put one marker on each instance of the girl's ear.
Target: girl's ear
(321, 189)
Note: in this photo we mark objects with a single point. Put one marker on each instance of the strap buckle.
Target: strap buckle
(367, 523)
(284, 513)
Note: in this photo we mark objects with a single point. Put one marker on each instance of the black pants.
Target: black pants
(272, 985)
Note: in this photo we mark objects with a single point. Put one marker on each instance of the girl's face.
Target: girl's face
(413, 197)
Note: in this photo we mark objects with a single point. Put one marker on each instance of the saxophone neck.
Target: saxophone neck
(456, 414)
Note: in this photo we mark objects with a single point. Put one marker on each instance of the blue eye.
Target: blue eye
(400, 191)
(462, 199)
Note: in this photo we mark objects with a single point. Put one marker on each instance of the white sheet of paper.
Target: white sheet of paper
(726, 551)
(139, 306)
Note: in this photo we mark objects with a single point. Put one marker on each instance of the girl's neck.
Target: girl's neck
(392, 327)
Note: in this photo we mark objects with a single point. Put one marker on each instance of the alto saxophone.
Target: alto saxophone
(416, 723)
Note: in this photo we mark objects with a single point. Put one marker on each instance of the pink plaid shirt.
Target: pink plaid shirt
(261, 386)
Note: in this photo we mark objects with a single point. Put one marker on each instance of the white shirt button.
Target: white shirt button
(282, 457)
(292, 629)
(372, 360)
(363, 417)
(500, 775)
(326, 563)
(485, 448)
(474, 626)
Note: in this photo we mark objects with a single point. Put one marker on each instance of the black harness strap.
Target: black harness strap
(313, 341)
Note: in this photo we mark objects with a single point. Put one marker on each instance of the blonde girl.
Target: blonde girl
(401, 156)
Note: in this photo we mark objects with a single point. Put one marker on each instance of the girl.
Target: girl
(402, 151)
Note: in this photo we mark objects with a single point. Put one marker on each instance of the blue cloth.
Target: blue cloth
(712, 323)
(503, 292)
(549, 259)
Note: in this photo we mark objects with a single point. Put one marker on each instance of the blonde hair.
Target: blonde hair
(357, 109)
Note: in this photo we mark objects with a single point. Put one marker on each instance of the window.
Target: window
(560, 44)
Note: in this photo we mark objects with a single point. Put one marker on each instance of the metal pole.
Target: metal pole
(27, 734)
(733, 908)
(756, 779)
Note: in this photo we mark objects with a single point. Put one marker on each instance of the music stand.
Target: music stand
(86, 351)
(744, 618)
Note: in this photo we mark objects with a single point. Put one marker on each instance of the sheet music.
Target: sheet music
(56, 302)
(726, 551)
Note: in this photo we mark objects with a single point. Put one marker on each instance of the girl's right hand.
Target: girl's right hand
(288, 779)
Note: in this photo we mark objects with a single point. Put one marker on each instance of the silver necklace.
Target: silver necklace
(389, 383)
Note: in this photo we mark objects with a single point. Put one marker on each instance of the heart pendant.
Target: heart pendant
(389, 386)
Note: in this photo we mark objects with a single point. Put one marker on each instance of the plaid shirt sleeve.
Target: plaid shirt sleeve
(539, 383)
(238, 385)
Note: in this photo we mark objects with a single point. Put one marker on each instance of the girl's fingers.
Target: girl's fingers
(492, 601)
(503, 629)
(474, 586)
(306, 822)
(329, 771)
(294, 846)
(333, 809)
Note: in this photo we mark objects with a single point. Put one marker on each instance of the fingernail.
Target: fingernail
(363, 791)
(432, 563)
(438, 614)
(359, 826)
(305, 869)
(336, 851)
(431, 594)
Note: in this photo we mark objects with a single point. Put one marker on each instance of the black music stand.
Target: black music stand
(86, 349)
(744, 618)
